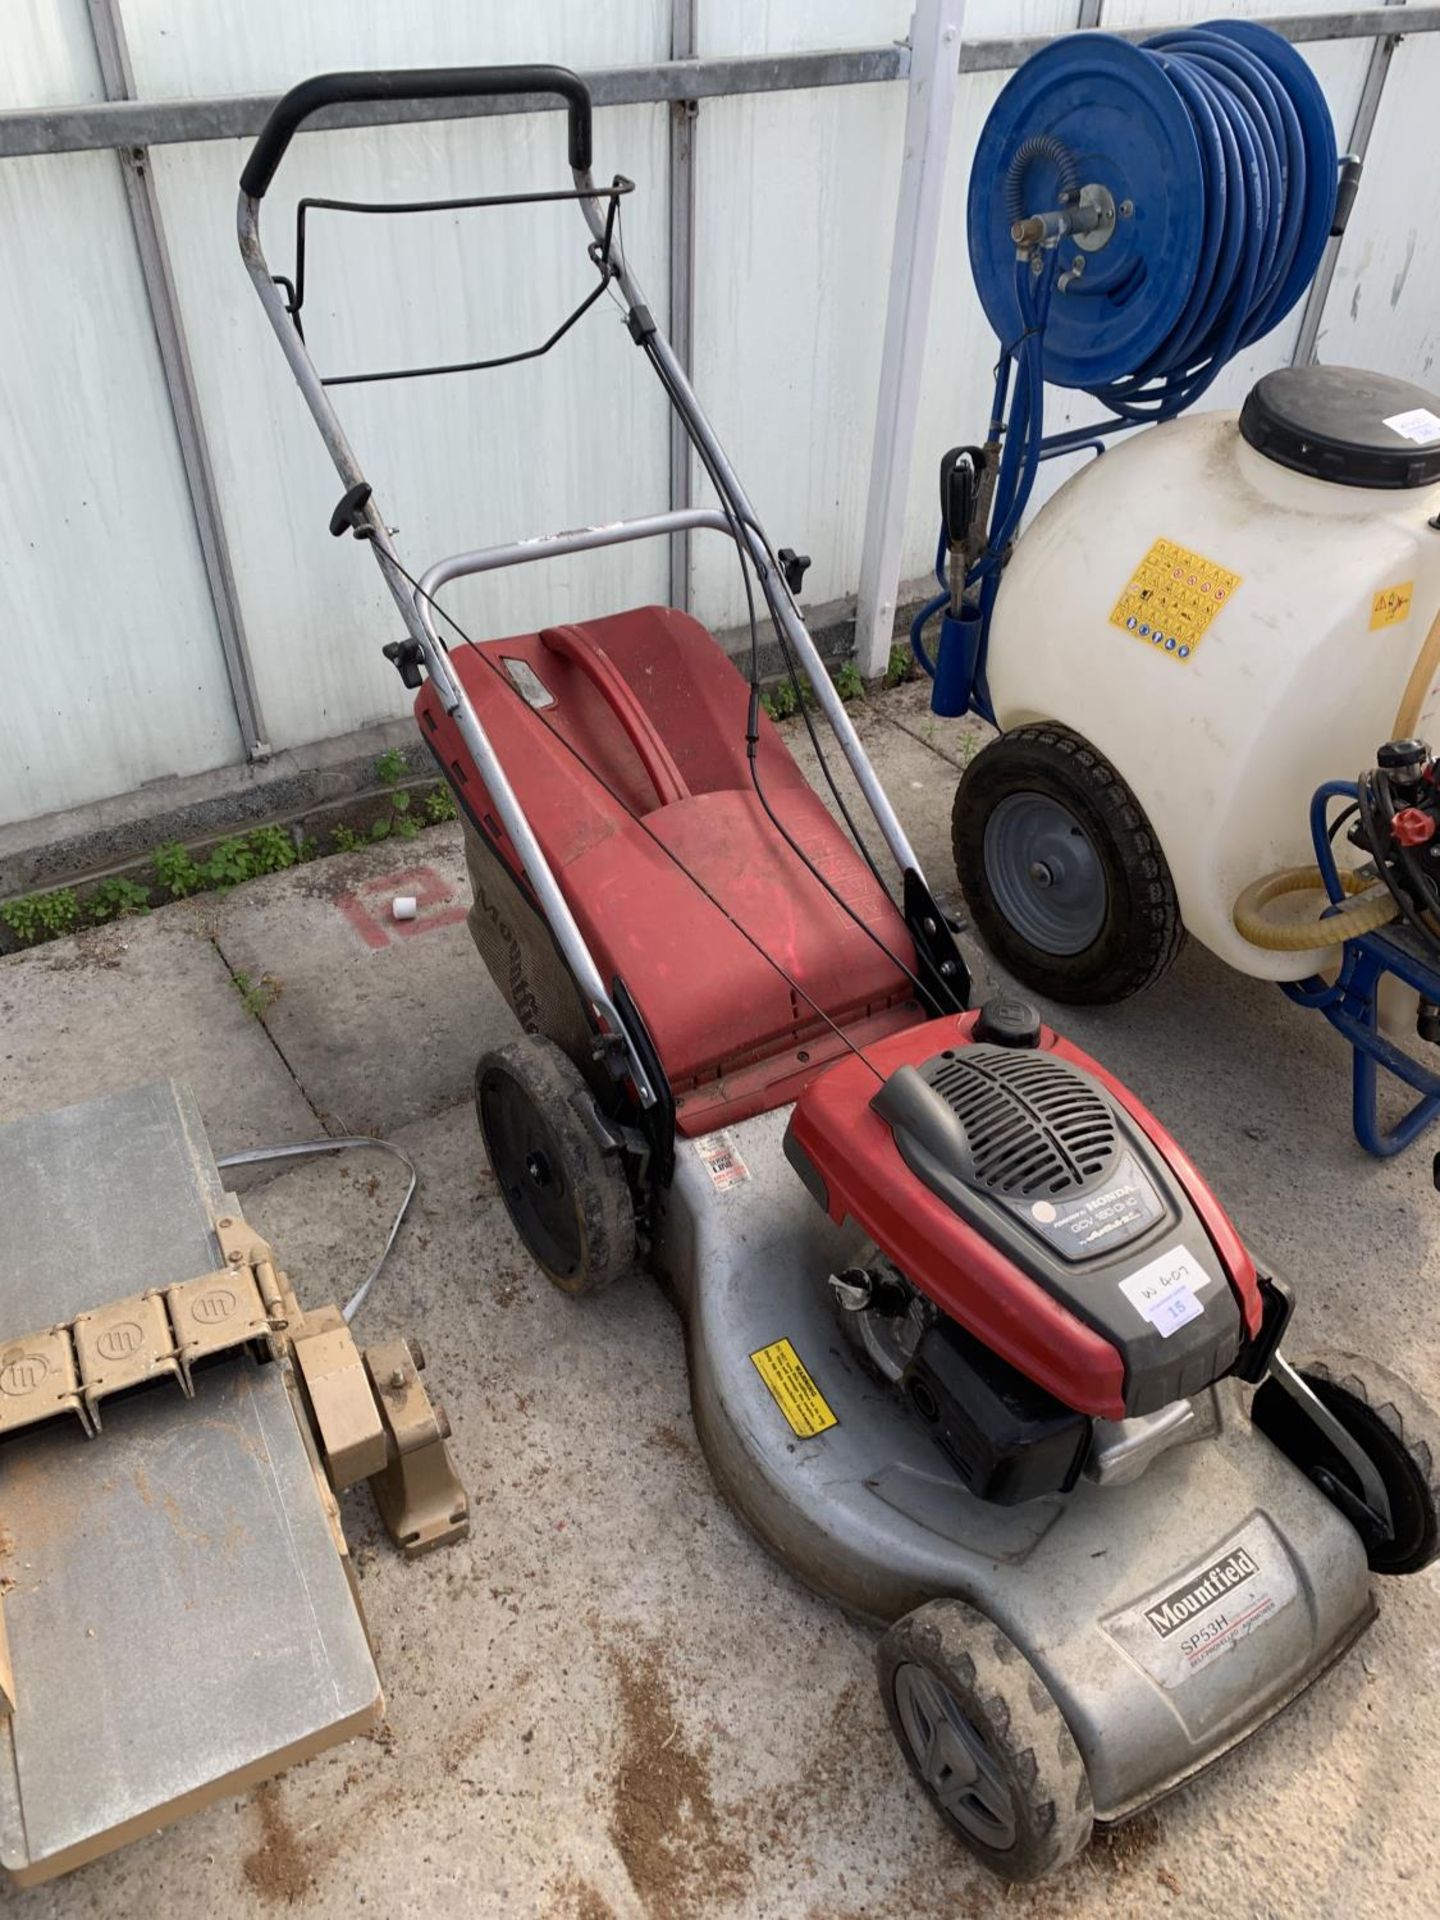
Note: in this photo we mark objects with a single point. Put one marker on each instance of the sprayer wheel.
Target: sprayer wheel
(563, 1185)
(1061, 870)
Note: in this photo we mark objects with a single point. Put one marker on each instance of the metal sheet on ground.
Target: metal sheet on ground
(178, 1616)
(179, 1612)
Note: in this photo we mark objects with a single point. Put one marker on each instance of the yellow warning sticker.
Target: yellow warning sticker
(1391, 605)
(1172, 597)
(792, 1389)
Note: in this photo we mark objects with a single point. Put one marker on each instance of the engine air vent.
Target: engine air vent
(1036, 1127)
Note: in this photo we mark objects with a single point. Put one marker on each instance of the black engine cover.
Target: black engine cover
(1009, 1439)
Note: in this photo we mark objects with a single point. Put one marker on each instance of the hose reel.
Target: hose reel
(1188, 186)
(1137, 215)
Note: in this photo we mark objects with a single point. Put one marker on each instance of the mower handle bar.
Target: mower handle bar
(312, 96)
(329, 90)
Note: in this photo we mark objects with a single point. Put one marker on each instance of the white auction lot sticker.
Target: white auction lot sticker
(1185, 1626)
(1164, 1290)
(1419, 425)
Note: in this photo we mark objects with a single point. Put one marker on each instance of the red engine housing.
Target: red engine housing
(967, 1275)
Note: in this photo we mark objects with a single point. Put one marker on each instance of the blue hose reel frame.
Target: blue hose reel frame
(1215, 147)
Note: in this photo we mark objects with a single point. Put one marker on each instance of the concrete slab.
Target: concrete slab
(380, 1020)
(136, 1001)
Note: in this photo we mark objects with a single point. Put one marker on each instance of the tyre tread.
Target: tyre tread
(606, 1208)
(978, 1659)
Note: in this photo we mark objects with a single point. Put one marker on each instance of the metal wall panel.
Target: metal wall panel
(108, 646)
(795, 209)
(1384, 305)
(115, 672)
(242, 46)
(459, 461)
(49, 55)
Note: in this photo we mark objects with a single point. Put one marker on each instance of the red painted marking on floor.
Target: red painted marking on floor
(368, 906)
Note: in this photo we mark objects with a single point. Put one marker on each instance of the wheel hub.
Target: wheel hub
(954, 1760)
(531, 1172)
(1044, 874)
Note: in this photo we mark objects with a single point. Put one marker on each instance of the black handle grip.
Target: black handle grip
(1351, 167)
(413, 83)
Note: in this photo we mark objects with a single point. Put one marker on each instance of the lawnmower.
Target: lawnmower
(1210, 620)
(972, 1348)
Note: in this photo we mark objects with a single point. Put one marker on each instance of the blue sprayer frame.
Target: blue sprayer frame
(1350, 1002)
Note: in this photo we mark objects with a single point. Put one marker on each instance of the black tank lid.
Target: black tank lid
(1330, 422)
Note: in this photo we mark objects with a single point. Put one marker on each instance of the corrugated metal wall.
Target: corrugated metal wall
(113, 669)
(111, 663)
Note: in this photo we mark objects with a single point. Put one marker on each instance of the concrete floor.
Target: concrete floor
(608, 1701)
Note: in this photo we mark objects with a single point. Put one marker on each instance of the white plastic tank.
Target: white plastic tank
(1229, 631)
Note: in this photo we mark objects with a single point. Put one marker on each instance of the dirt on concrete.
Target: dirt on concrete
(579, 1899)
(280, 1869)
(681, 1851)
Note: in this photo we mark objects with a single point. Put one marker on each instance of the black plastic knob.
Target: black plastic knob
(1403, 756)
(1008, 1021)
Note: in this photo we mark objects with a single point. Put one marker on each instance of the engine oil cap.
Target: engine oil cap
(1341, 424)
(1008, 1021)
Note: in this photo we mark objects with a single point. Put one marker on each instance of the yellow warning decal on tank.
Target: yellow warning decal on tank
(1391, 605)
(792, 1389)
(1172, 597)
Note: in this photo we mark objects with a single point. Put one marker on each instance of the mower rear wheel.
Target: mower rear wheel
(563, 1186)
(1391, 1423)
(1061, 870)
(985, 1739)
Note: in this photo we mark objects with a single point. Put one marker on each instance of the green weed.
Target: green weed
(117, 898)
(257, 996)
(900, 667)
(41, 916)
(176, 872)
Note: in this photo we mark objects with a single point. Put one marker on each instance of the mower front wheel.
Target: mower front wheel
(1390, 1423)
(1061, 869)
(562, 1182)
(985, 1739)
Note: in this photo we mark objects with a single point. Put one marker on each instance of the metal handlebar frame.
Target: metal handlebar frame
(414, 606)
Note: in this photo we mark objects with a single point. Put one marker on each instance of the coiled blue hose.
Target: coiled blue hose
(1259, 251)
(1213, 148)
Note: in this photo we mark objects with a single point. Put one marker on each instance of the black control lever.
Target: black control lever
(404, 656)
(793, 566)
(349, 514)
(960, 472)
